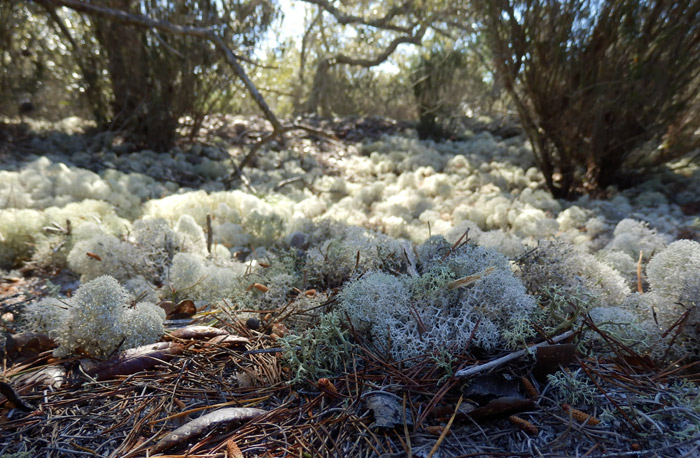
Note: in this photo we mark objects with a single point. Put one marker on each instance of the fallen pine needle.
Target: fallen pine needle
(446, 430)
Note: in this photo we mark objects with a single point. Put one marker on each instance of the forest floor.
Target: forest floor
(217, 384)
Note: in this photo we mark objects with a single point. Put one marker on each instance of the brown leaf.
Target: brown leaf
(228, 341)
(167, 306)
(184, 309)
(13, 399)
(200, 425)
(491, 386)
(232, 449)
(135, 360)
(501, 407)
(469, 279)
(197, 332)
(444, 412)
(550, 357)
(28, 345)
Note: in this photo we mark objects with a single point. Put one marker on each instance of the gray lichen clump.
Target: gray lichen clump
(466, 296)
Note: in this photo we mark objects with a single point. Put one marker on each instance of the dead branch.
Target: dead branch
(473, 370)
(414, 38)
(383, 22)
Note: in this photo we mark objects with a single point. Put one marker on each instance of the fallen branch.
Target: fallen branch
(473, 370)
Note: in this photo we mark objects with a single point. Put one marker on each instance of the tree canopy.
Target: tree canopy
(591, 82)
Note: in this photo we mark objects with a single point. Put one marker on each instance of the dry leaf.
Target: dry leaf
(135, 359)
(27, 345)
(167, 306)
(200, 425)
(551, 357)
(469, 279)
(184, 309)
(486, 387)
(13, 398)
(228, 341)
(232, 449)
(388, 410)
(502, 406)
(197, 332)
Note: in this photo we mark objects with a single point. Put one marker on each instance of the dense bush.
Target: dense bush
(434, 83)
(593, 81)
(38, 74)
(156, 78)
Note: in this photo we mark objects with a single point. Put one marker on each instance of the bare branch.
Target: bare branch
(469, 371)
(384, 55)
(383, 22)
(271, 136)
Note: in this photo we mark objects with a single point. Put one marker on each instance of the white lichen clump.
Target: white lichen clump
(105, 254)
(573, 273)
(674, 282)
(98, 320)
(46, 231)
(663, 322)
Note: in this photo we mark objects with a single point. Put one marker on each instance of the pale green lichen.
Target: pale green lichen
(338, 252)
(573, 272)
(572, 387)
(321, 351)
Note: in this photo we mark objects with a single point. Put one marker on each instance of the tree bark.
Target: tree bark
(201, 32)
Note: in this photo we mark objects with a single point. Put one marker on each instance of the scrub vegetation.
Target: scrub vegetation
(370, 244)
